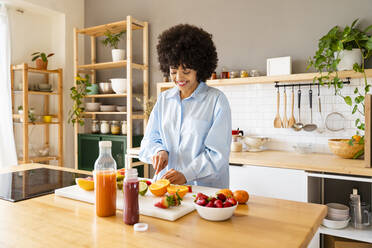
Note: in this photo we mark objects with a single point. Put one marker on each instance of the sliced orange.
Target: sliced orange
(85, 183)
(159, 188)
(180, 189)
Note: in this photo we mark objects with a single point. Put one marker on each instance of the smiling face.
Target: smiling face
(185, 79)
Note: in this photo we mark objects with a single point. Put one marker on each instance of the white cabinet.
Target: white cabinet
(270, 182)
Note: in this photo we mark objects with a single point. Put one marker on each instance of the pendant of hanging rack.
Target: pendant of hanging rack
(278, 85)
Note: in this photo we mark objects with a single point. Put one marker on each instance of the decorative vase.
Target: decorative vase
(348, 58)
(118, 54)
(41, 65)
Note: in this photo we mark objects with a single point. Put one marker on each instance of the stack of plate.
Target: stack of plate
(337, 217)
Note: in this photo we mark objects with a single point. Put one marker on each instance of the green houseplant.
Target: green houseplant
(77, 94)
(112, 40)
(41, 59)
(327, 59)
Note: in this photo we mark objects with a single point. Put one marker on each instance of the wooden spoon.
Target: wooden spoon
(277, 121)
(292, 119)
(285, 120)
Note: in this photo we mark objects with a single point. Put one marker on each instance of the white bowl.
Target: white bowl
(333, 216)
(335, 224)
(337, 208)
(215, 214)
(119, 85)
(92, 106)
(108, 108)
(255, 143)
(121, 108)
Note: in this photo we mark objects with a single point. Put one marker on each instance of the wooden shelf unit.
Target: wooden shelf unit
(300, 77)
(25, 69)
(128, 25)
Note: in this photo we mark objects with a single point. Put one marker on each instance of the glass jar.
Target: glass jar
(234, 74)
(95, 126)
(224, 73)
(105, 127)
(115, 127)
(243, 74)
(254, 73)
(105, 181)
(214, 76)
(124, 127)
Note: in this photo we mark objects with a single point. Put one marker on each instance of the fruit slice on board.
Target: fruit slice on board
(159, 188)
(85, 183)
(181, 189)
(142, 188)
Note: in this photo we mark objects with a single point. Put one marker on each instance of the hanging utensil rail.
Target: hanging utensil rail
(278, 85)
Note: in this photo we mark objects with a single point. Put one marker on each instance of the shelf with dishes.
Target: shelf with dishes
(34, 92)
(109, 65)
(38, 159)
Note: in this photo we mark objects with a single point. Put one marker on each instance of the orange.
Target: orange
(228, 193)
(159, 188)
(85, 183)
(357, 138)
(241, 196)
(180, 189)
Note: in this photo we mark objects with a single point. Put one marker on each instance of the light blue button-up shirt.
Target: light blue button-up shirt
(196, 133)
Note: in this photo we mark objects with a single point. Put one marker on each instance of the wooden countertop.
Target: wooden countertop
(59, 222)
(310, 162)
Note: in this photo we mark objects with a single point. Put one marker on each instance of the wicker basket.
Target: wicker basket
(341, 148)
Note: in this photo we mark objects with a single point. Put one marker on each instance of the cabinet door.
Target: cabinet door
(88, 151)
(270, 182)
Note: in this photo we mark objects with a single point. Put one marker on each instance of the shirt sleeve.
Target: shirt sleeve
(214, 159)
(152, 141)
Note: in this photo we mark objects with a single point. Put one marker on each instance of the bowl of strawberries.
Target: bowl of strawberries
(215, 208)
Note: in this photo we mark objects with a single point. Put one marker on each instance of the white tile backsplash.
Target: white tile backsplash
(253, 109)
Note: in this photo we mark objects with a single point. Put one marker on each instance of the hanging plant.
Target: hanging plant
(77, 94)
(327, 58)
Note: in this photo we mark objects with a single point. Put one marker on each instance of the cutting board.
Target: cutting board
(146, 202)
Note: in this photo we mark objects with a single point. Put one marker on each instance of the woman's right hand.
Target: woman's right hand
(160, 161)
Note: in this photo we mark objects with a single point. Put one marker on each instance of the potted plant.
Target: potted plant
(41, 60)
(112, 40)
(77, 94)
(332, 48)
(31, 114)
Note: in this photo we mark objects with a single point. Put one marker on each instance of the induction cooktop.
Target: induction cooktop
(22, 185)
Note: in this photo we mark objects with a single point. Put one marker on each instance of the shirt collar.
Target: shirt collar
(198, 94)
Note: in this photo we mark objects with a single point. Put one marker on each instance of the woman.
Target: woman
(188, 136)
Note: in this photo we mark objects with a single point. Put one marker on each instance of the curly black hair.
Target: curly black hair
(189, 46)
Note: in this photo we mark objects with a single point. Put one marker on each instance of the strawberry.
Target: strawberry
(210, 204)
(212, 199)
(221, 197)
(169, 201)
(201, 196)
(227, 204)
(148, 182)
(218, 204)
(201, 202)
(232, 201)
(190, 188)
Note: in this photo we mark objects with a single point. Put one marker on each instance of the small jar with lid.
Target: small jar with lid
(105, 127)
(115, 127)
(95, 126)
(243, 73)
(124, 127)
(225, 73)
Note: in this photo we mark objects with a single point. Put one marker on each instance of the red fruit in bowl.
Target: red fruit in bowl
(190, 188)
(227, 204)
(212, 199)
(148, 183)
(218, 204)
(201, 202)
(232, 201)
(210, 204)
(201, 196)
(221, 197)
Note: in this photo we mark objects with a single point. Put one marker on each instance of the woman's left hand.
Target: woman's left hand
(175, 177)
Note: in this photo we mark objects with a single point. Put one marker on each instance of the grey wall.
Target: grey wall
(245, 32)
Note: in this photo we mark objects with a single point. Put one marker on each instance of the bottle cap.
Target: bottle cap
(105, 144)
(140, 227)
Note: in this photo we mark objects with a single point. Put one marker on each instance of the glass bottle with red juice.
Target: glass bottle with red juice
(130, 188)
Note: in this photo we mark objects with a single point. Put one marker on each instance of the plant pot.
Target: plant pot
(40, 64)
(341, 148)
(118, 54)
(93, 89)
(349, 58)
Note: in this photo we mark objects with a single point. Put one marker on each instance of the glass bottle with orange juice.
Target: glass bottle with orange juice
(105, 181)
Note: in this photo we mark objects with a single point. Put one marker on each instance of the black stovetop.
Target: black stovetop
(22, 185)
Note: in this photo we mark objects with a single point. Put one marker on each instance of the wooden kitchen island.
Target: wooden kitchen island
(51, 221)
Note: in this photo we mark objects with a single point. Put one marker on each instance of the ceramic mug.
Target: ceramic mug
(47, 118)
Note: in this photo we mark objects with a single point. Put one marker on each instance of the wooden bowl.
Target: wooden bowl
(341, 148)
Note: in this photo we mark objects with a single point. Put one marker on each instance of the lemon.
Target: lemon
(85, 183)
(142, 188)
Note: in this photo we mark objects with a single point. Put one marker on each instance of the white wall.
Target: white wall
(48, 26)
